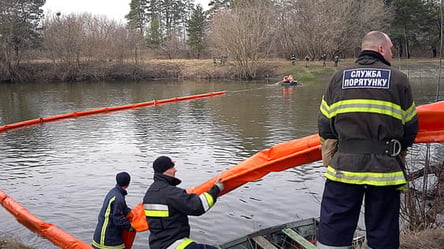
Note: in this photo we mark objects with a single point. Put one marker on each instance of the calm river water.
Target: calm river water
(60, 171)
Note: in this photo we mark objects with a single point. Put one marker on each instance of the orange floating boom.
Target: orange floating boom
(431, 123)
(279, 157)
(46, 230)
(103, 110)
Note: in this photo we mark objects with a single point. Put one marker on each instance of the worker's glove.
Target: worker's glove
(328, 149)
(402, 156)
(220, 185)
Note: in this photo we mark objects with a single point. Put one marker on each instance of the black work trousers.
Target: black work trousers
(340, 209)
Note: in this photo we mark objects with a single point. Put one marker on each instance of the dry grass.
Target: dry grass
(430, 239)
(426, 239)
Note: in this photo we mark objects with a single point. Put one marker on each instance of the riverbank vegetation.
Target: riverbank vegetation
(240, 35)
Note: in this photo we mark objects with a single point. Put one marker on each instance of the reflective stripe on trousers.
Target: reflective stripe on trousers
(180, 244)
(322, 246)
(101, 246)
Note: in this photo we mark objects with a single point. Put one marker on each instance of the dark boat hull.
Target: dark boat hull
(289, 83)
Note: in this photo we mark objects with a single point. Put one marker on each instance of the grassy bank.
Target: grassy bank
(204, 69)
(41, 71)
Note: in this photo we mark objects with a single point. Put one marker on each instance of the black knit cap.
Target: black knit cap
(162, 164)
(123, 179)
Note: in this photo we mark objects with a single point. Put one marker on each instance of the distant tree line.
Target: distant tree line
(244, 31)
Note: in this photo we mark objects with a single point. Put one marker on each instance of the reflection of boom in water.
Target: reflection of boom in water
(278, 158)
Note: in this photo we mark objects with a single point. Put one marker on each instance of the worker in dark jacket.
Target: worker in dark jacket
(112, 217)
(167, 208)
(368, 109)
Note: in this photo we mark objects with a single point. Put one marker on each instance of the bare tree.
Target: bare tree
(63, 38)
(74, 38)
(244, 33)
(315, 27)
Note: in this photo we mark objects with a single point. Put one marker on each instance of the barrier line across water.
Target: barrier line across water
(47, 230)
(279, 157)
(103, 110)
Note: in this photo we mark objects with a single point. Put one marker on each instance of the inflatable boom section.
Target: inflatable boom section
(307, 149)
(102, 110)
(46, 230)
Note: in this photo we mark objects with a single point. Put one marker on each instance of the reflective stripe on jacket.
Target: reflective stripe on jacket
(181, 244)
(167, 208)
(112, 221)
(370, 103)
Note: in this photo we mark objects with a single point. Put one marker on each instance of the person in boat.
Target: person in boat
(288, 79)
(167, 208)
(112, 217)
(368, 111)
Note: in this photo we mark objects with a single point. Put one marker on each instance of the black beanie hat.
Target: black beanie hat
(123, 179)
(162, 164)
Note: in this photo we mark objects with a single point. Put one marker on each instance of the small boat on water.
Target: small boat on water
(289, 83)
(295, 234)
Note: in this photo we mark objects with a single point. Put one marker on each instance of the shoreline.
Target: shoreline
(194, 69)
(161, 69)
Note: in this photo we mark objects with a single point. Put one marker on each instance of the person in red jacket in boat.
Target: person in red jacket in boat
(288, 79)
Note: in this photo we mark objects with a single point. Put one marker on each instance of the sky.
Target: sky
(114, 9)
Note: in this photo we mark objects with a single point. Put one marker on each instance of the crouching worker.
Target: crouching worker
(167, 208)
(112, 217)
